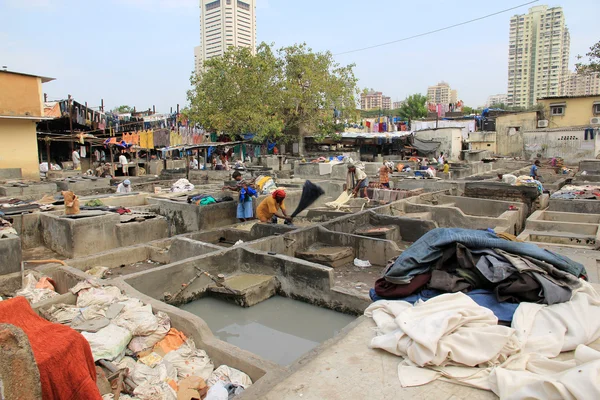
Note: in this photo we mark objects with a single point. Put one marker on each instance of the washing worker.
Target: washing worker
(124, 187)
(123, 162)
(534, 170)
(446, 167)
(267, 210)
(194, 163)
(384, 174)
(356, 179)
(76, 160)
(508, 178)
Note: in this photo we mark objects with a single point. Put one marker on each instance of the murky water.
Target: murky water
(278, 329)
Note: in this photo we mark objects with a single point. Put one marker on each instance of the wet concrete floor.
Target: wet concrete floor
(278, 329)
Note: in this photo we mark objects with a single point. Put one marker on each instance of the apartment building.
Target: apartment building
(441, 93)
(375, 100)
(223, 24)
(397, 104)
(538, 56)
(496, 99)
(584, 84)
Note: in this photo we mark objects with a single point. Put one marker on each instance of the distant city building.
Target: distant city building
(441, 94)
(375, 100)
(223, 24)
(581, 84)
(538, 55)
(397, 104)
(496, 99)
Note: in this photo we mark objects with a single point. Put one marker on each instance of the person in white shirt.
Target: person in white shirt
(194, 163)
(508, 178)
(124, 187)
(441, 159)
(123, 162)
(356, 180)
(76, 160)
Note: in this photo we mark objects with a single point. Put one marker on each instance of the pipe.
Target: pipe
(113, 368)
(45, 262)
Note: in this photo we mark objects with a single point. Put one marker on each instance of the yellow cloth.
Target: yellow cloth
(446, 168)
(267, 208)
(144, 140)
(261, 182)
(150, 139)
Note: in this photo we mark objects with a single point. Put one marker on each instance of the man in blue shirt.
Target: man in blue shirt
(534, 170)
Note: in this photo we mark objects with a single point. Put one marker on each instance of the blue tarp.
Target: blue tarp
(419, 257)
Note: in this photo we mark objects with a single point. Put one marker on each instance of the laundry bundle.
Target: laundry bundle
(497, 273)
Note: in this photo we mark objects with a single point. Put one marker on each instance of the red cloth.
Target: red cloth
(63, 356)
(389, 290)
(279, 193)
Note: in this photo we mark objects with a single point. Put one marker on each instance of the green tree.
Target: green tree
(123, 109)
(593, 64)
(239, 93)
(413, 107)
(318, 93)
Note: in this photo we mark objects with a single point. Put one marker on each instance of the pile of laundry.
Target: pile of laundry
(161, 362)
(6, 228)
(479, 309)
(205, 199)
(182, 185)
(36, 290)
(572, 192)
(525, 180)
(265, 184)
(493, 270)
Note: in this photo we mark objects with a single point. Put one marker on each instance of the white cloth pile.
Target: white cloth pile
(123, 328)
(35, 290)
(452, 338)
(182, 185)
(341, 201)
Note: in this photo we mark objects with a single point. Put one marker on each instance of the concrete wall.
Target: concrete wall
(410, 229)
(482, 141)
(450, 139)
(29, 192)
(509, 132)
(19, 146)
(10, 173)
(183, 248)
(570, 145)
(575, 206)
(29, 228)
(10, 254)
(130, 233)
(577, 111)
(79, 237)
(503, 192)
(83, 185)
(464, 212)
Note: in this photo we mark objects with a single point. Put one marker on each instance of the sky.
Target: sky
(140, 52)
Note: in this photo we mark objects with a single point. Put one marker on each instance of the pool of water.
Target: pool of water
(278, 329)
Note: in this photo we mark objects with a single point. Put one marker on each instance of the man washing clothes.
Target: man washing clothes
(124, 187)
(357, 179)
(272, 208)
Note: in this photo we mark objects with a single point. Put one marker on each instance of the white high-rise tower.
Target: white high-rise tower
(225, 23)
(538, 55)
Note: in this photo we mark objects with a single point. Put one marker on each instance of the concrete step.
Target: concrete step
(250, 289)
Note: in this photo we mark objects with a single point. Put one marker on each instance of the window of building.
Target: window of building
(243, 6)
(213, 5)
(596, 109)
(557, 110)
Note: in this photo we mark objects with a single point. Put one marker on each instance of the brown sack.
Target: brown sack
(71, 203)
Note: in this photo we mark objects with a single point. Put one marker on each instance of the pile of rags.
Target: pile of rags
(495, 272)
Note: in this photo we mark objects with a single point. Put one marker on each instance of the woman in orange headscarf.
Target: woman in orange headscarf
(268, 209)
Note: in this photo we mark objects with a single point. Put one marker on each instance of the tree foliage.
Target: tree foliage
(318, 92)
(593, 64)
(123, 109)
(295, 91)
(238, 93)
(414, 107)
